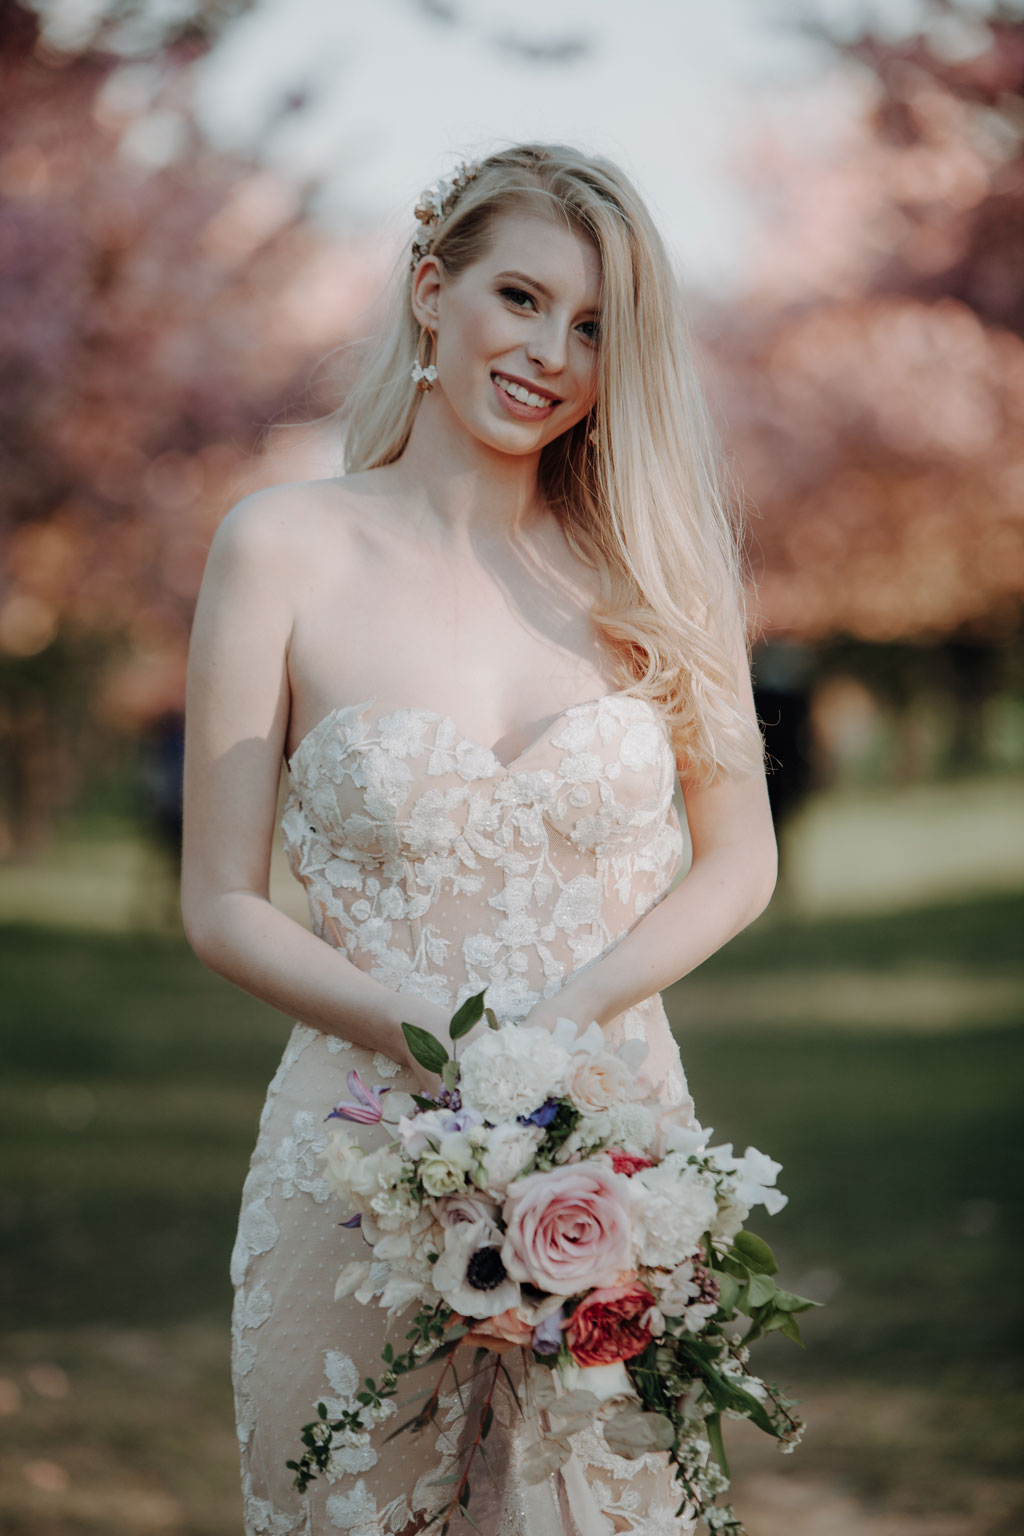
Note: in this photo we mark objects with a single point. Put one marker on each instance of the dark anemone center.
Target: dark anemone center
(485, 1270)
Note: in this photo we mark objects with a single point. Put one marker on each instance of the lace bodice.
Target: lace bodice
(442, 870)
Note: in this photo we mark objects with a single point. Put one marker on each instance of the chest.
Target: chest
(502, 644)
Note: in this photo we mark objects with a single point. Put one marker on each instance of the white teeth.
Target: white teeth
(520, 392)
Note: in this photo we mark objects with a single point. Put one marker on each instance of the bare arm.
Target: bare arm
(730, 882)
(237, 707)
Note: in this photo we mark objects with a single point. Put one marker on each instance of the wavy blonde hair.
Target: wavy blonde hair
(645, 503)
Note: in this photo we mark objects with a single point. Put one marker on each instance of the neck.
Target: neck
(461, 487)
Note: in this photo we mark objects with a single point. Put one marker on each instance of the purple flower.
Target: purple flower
(547, 1336)
(366, 1109)
(542, 1116)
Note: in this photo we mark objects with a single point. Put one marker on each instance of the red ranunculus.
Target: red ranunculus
(627, 1162)
(607, 1326)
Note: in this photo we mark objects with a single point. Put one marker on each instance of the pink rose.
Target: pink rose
(568, 1229)
(610, 1324)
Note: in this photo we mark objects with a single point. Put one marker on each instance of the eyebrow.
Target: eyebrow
(535, 282)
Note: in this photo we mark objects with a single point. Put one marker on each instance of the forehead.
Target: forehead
(549, 249)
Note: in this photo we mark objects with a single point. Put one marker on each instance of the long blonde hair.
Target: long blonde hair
(643, 502)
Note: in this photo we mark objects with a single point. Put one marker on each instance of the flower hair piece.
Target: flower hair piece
(435, 203)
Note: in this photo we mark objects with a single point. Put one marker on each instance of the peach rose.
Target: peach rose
(599, 1080)
(568, 1229)
(610, 1325)
(506, 1329)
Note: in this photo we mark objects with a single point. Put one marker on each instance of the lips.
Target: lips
(523, 398)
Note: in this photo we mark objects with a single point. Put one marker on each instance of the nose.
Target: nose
(548, 346)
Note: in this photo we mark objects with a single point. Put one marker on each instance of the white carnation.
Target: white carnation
(511, 1071)
(509, 1148)
(629, 1126)
(673, 1205)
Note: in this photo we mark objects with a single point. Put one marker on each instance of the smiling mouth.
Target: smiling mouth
(536, 399)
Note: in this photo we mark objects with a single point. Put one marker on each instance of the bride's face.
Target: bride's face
(521, 321)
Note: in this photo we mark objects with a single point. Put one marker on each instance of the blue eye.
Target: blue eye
(514, 295)
(591, 328)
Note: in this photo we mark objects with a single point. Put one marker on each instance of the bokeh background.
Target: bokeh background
(200, 208)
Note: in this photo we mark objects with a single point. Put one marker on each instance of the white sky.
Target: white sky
(395, 98)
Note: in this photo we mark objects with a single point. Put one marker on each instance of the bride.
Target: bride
(487, 653)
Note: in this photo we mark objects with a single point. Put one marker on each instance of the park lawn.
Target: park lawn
(130, 1094)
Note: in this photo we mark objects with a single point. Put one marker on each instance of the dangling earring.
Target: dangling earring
(423, 374)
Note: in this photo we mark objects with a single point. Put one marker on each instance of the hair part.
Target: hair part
(645, 505)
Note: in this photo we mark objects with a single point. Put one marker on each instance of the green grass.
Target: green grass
(131, 1086)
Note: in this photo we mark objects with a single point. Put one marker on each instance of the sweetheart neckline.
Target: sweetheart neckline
(437, 714)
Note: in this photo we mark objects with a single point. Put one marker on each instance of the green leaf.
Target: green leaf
(486, 1422)
(744, 1402)
(786, 1301)
(465, 1017)
(728, 1292)
(425, 1047)
(321, 1409)
(754, 1252)
(492, 1018)
(714, 1428)
(731, 1265)
(760, 1290)
(790, 1329)
(450, 1073)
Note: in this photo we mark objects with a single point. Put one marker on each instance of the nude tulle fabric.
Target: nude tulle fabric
(441, 871)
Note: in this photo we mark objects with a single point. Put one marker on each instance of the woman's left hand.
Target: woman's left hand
(579, 1003)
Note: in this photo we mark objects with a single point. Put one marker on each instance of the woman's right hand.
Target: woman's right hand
(435, 1021)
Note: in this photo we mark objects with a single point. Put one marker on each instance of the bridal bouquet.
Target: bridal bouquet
(547, 1199)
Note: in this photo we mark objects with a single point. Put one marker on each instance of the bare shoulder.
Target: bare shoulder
(282, 522)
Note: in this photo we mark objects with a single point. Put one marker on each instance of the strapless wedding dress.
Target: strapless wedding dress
(441, 871)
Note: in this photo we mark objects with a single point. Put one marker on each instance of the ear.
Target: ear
(427, 283)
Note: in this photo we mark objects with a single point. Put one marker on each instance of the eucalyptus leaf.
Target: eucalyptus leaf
(425, 1047)
(450, 1073)
(544, 1457)
(632, 1432)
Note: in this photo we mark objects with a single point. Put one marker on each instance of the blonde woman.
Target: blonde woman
(487, 652)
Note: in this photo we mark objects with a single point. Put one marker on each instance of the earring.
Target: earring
(423, 374)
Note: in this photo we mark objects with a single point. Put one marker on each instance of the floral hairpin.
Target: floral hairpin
(435, 203)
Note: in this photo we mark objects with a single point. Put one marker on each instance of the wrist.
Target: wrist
(586, 998)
